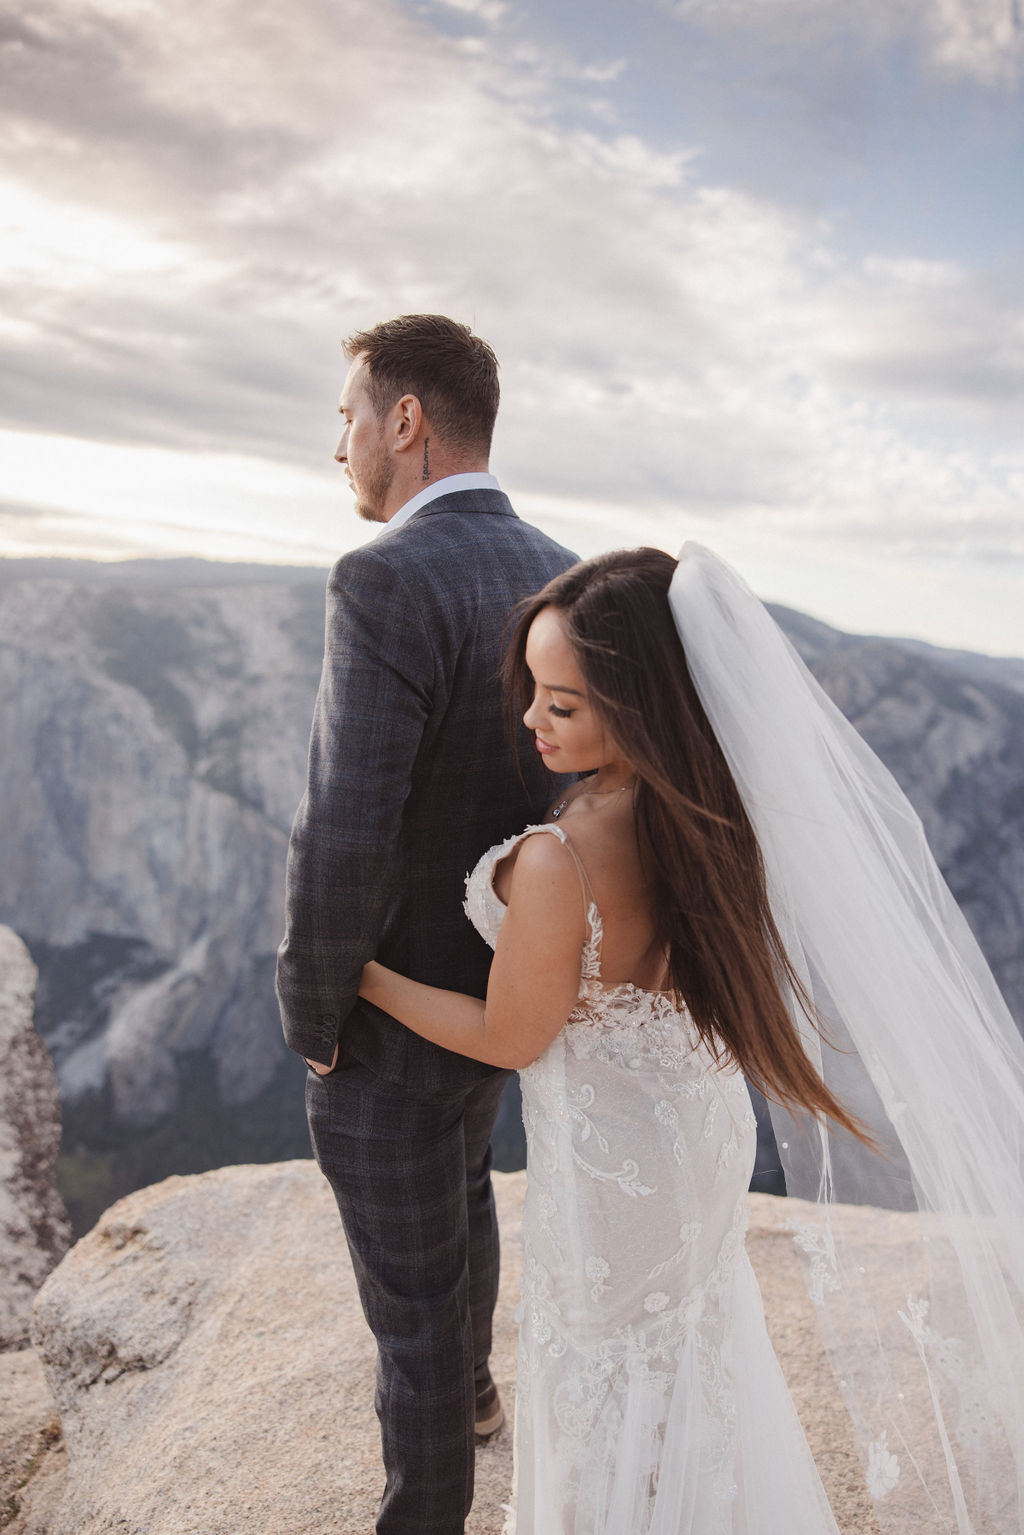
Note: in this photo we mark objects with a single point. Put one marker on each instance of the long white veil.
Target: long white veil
(919, 1043)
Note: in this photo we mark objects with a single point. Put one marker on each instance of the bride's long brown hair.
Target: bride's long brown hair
(726, 960)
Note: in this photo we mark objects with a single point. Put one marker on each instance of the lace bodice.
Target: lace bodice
(485, 908)
(639, 1150)
(625, 1008)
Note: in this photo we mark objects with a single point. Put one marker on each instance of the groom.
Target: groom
(411, 778)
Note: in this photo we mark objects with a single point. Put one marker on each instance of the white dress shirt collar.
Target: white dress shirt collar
(451, 482)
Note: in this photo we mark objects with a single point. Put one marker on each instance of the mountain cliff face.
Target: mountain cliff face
(152, 756)
(949, 725)
(156, 717)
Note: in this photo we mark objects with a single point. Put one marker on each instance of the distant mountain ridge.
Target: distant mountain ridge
(156, 717)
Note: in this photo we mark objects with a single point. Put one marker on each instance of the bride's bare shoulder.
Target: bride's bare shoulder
(536, 856)
(605, 841)
(603, 829)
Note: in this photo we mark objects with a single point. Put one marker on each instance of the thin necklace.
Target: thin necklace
(590, 794)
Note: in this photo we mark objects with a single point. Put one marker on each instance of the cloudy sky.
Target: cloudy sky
(754, 270)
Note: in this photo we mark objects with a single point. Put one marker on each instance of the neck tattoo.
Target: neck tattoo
(426, 458)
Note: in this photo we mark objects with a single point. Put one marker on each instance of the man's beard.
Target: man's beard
(372, 493)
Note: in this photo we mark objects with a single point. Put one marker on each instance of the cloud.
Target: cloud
(979, 40)
(982, 39)
(209, 197)
(930, 332)
(27, 511)
(487, 10)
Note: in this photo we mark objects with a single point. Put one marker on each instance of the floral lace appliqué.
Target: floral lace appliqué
(597, 1271)
(883, 1468)
(818, 1245)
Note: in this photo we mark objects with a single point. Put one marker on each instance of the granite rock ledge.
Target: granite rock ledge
(214, 1374)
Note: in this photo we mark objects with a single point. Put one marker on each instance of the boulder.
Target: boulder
(214, 1374)
(212, 1368)
(34, 1230)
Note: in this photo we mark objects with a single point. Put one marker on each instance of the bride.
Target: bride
(734, 889)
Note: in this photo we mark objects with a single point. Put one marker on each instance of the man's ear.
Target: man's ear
(406, 420)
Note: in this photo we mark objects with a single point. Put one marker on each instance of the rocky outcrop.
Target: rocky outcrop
(215, 1377)
(32, 1462)
(34, 1230)
(213, 1370)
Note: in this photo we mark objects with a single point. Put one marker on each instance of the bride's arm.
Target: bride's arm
(534, 981)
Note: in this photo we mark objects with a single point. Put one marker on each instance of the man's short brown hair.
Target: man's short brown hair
(452, 373)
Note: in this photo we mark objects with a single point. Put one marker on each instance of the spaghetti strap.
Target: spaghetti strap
(588, 894)
(485, 908)
(590, 911)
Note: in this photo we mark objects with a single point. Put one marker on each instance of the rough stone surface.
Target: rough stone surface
(33, 1225)
(213, 1370)
(215, 1377)
(32, 1460)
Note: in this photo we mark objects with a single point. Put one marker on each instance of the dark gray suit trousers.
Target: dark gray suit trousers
(411, 1175)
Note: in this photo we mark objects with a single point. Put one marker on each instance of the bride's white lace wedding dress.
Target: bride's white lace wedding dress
(649, 1398)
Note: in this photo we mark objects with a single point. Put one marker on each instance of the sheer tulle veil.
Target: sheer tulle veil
(926, 1327)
